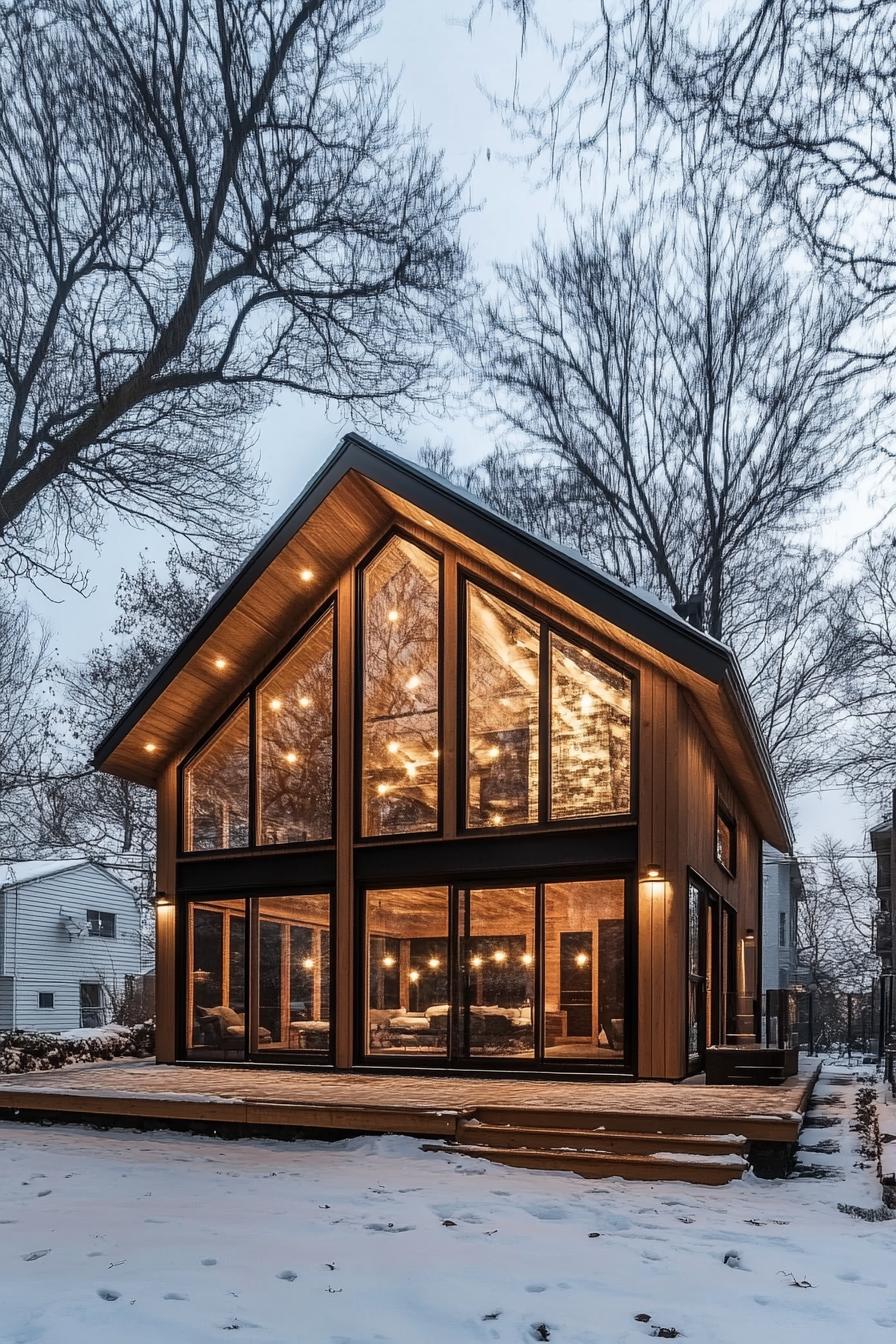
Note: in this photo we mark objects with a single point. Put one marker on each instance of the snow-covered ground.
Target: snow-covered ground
(142, 1239)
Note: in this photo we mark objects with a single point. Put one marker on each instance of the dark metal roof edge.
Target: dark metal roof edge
(559, 568)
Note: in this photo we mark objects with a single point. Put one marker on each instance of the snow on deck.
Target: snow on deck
(120, 1236)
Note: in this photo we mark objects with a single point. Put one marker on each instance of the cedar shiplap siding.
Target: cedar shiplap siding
(40, 956)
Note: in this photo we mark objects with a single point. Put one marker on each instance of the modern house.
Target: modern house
(69, 938)
(435, 794)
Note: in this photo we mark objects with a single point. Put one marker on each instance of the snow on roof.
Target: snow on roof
(14, 874)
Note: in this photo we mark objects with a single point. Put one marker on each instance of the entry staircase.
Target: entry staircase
(639, 1147)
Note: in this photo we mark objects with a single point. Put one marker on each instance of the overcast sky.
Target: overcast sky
(440, 68)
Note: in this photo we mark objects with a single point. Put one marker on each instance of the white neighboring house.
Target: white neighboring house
(67, 928)
(782, 889)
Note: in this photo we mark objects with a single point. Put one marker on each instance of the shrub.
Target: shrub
(32, 1051)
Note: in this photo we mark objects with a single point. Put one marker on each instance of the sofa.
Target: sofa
(223, 1028)
(493, 1029)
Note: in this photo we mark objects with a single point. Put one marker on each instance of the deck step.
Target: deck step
(599, 1140)
(657, 1123)
(662, 1165)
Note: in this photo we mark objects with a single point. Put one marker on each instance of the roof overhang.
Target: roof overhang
(355, 495)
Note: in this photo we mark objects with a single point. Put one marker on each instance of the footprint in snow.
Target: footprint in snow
(548, 1213)
(36, 1255)
(108, 1294)
(732, 1260)
(288, 1275)
(92, 1255)
(236, 1324)
(208, 1262)
(536, 1288)
(175, 1297)
(387, 1227)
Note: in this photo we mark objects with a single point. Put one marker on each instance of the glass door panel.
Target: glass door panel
(292, 974)
(216, 980)
(497, 967)
(407, 1009)
(584, 974)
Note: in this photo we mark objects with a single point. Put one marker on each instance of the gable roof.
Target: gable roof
(362, 486)
(20, 872)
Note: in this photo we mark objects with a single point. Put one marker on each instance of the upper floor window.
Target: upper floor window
(726, 840)
(502, 712)
(100, 924)
(591, 734)
(216, 788)
(294, 717)
(400, 691)
(581, 704)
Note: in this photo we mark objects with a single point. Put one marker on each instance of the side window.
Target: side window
(216, 789)
(100, 924)
(45, 999)
(726, 840)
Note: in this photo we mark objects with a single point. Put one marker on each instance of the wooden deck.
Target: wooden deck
(587, 1127)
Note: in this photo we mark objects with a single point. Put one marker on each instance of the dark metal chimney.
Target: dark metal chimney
(691, 610)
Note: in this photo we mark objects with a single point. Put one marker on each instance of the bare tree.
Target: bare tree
(25, 725)
(202, 202)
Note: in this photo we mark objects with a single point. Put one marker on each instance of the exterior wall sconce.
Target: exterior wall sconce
(653, 871)
(749, 936)
(162, 900)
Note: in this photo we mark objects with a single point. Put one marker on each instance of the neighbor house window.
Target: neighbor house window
(45, 999)
(400, 691)
(216, 789)
(90, 1002)
(100, 924)
(295, 743)
(782, 929)
(591, 734)
(502, 712)
(726, 840)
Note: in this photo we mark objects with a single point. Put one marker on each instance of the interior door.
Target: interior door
(576, 983)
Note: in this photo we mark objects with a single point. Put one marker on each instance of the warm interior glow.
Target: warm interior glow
(392, 748)
(382, 789)
(220, 663)
(414, 976)
(388, 962)
(305, 701)
(527, 958)
(150, 747)
(476, 961)
(581, 959)
(412, 682)
(308, 963)
(433, 963)
(291, 757)
(276, 703)
(500, 955)
(392, 616)
(306, 575)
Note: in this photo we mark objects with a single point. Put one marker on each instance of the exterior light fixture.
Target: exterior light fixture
(388, 962)
(161, 899)
(220, 663)
(500, 955)
(749, 936)
(276, 703)
(652, 870)
(433, 963)
(515, 574)
(150, 747)
(412, 682)
(392, 615)
(308, 963)
(581, 958)
(306, 575)
(414, 976)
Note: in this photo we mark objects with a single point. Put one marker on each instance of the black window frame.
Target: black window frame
(185, 1052)
(249, 695)
(95, 924)
(357, 784)
(547, 626)
(540, 1065)
(43, 994)
(726, 815)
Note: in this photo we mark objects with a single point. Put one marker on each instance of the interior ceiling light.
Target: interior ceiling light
(392, 616)
(305, 701)
(306, 575)
(412, 682)
(276, 703)
(150, 747)
(392, 748)
(220, 663)
(581, 958)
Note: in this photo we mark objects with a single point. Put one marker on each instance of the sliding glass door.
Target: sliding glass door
(527, 975)
(258, 978)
